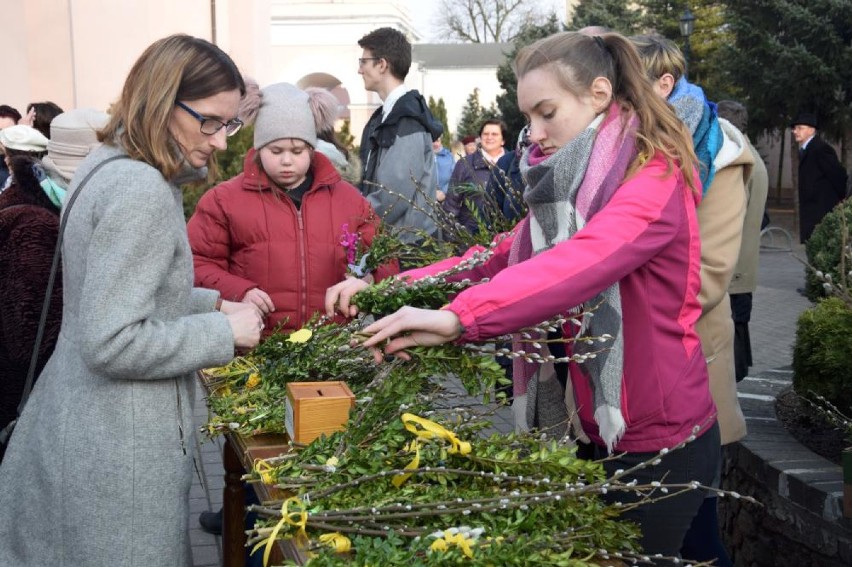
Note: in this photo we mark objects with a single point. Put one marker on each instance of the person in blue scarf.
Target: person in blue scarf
(725, 167)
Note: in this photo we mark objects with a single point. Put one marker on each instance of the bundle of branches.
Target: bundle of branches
(489, 215)
(248, 395)
(830, 413)
(410, 482)
(429, 293)
(414, 247)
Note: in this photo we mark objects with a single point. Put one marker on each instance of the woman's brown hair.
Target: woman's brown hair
(579, 59)
(178, 67)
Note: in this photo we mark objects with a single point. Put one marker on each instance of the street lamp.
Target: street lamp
(687, 24)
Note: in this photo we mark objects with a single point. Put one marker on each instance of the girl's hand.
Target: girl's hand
(260, 299)
(410, 327)
(338, 296)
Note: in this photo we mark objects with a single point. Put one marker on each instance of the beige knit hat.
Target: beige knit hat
(26, 138)
(284, 113)
(73, 135)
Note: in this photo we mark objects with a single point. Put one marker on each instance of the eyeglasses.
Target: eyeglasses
(362, 60)
(210, 126)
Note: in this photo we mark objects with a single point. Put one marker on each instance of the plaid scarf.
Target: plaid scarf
(564, 191)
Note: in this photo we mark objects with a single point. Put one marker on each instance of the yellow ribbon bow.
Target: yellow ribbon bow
(431, 430)
(264, 470)
(399, 480)
(339, 542)
(301, 522)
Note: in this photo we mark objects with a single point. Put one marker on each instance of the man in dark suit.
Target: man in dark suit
(822, 179)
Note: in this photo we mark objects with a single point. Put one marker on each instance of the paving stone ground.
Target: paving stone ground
(776, 308)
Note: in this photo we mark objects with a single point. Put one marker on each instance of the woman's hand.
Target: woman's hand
(229, 307)
(338, 296)
(246, 323)
(411, 327)
(260, 299)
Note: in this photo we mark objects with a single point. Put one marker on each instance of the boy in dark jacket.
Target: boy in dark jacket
(396, 145)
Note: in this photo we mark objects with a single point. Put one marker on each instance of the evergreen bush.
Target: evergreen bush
(824, 249)
(822, 356)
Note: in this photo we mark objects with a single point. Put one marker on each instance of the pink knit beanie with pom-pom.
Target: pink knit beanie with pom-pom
(325, 108)
(250, 103)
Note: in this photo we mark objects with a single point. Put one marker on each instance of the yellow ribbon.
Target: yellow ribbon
(253, 381)
(238, 366)
(339, 542)
(399, 480)
(264, 470)
(286, 519)
(431, 430)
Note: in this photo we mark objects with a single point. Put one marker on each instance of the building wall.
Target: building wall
(242, 31)
(77, 53)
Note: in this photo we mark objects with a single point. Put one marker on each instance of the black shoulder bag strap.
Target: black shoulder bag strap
(28, 386)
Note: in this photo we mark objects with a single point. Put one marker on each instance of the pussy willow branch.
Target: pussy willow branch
(508, 501)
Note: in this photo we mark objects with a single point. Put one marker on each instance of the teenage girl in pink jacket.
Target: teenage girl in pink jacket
(612, 189)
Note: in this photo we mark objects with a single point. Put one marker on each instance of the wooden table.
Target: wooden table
(239, 455)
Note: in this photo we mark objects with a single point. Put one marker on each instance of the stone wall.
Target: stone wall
(800, 522)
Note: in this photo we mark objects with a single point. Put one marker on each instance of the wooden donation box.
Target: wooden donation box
(314, 408)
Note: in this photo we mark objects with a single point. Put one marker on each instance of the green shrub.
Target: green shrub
(230, 165)
(824, 249)
(822, 356)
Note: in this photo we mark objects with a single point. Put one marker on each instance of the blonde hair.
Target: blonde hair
(178, 67)
(659, 56)
(578, 59)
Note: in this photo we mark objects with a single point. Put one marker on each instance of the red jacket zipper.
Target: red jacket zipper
(303, 307)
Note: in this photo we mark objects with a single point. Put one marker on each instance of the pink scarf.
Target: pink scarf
(612, 152)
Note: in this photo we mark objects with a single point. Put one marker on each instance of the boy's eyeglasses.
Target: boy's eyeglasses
(210, 126)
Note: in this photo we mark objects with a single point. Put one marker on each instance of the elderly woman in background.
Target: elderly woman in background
(472, 173)
(21, 140)
(29, 224)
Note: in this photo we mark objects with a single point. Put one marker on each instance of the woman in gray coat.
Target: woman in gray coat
(98, 470)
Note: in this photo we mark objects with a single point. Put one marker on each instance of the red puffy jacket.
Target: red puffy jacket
(246, 233)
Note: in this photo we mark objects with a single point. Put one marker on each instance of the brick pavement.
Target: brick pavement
(776, 308)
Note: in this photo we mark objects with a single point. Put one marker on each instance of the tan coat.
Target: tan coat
(720, 220)
(757, 189)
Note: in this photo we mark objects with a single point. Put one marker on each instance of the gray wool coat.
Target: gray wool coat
(98, 470)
